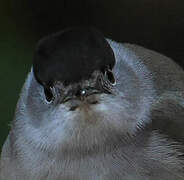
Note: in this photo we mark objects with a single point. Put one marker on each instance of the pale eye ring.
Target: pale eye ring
(48, 95)
(110, 76)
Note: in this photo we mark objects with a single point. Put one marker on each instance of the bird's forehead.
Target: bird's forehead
(71, 56)
(84, 83)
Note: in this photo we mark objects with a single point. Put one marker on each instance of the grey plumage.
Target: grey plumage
(111, 139)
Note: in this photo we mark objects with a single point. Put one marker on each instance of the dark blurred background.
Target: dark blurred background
(155, 24)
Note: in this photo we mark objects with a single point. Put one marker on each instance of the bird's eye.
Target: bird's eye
(110, 76)
(48, 94)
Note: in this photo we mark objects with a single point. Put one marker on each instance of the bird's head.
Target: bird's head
(78, 94)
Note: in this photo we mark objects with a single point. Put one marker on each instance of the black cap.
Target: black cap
(71, 55)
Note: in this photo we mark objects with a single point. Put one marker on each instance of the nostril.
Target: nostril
(73, 108)
(78, 93)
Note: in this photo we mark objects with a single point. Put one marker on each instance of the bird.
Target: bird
(92, 108)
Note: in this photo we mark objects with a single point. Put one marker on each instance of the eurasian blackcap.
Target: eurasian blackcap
(86, 111)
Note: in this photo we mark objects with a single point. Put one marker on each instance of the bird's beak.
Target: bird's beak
(81, 94)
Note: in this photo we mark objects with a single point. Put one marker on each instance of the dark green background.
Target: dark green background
(155, 24)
